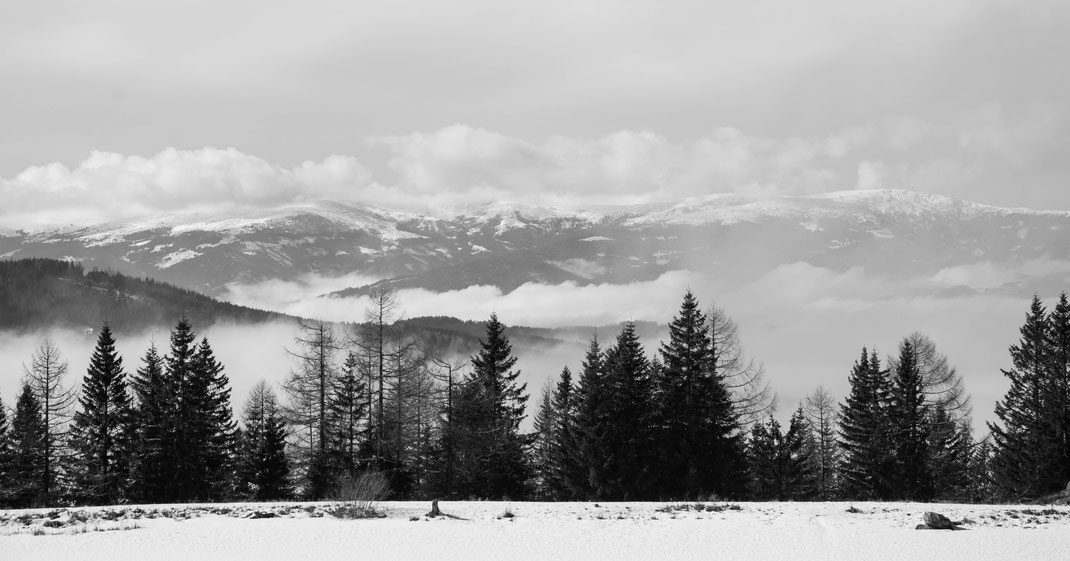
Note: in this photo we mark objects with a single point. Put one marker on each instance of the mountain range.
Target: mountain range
(893, 233)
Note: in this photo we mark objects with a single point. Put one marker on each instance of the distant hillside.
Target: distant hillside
(39, 293)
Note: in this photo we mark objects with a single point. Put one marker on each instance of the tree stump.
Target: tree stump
(434, 509)
(935, 521)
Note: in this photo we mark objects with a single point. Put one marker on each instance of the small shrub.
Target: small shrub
(363, 491)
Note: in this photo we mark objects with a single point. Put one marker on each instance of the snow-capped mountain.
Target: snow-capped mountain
(507, 245)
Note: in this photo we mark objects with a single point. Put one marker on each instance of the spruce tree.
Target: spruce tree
(100, 435)
(693, 413)
(623, 426)
(865, 432)
(5, 458)
(910, 429)
(1026, 446)
(564, 438)
(26, 479)
(347, 416)
(543, 450)
(583, 456)
(214, 429)
(263, 469)
(155, 420)
(780, 468)
(950, 447)
(491, 452)
(1059, 387)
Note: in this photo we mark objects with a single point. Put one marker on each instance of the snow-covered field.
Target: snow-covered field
(587, 531)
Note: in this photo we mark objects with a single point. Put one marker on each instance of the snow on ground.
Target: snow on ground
(587, 531)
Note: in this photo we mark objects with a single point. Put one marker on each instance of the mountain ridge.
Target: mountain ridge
(507, 245)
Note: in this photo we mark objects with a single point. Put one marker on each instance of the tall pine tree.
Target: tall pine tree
(865, 432)
(910, 429)
(25, 481)
(1027, 448)
(622, 427)
(102, 428)
(693, 413)
(263, 469)
(490, 451)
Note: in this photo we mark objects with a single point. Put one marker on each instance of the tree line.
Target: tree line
(693, 419)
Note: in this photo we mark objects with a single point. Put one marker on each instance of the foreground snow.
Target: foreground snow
(588, 531)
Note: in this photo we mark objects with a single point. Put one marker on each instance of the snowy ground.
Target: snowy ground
(587, 531)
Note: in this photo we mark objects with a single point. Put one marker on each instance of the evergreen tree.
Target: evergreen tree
(100, 435)
(694, 416)
(564, 438)
(1058, 391)
(5, 458)
(26, 480)
(950, 447)
(491, 452)
(154, 414)
(263, 468)
(347, 415)
(544, 428)
(780, 467)
(909, 423)
(865, 432)
(583, 456)
(623, 425)
(1026, 446)
(214, 430)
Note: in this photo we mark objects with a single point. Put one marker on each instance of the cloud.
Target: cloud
(975, 155)
(108, 186)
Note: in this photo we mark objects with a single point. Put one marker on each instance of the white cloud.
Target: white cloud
(460, 165)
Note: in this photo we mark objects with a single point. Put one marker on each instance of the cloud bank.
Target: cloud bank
(461, 165)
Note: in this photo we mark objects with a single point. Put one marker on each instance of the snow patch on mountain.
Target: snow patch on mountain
(172, 259)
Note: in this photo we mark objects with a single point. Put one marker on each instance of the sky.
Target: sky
(120, 108)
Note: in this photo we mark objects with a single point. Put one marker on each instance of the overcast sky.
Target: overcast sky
(155, 103)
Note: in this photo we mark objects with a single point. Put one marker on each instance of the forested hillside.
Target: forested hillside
(49, 293)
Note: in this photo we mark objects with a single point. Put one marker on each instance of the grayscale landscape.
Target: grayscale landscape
(628, 281)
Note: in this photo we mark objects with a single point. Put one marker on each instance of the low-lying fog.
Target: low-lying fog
(807, 325)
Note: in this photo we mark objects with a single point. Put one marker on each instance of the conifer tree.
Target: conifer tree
(1058, 392)
(820, 411)
(583, 456)
(102, 428)
(780, 467)
(45, 375)
(865, 432)
(5, 457)
(564, 438)
(910, 428)
(309, 388)
(214, 429)
(347, 415)
(155, 421)
(623, 425)
(543, 450)
(949, 446)
(491, 452)
(694, 416)
(1026, 447)
(263, 468)
(26, 481)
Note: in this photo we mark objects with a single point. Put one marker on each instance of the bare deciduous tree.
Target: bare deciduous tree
(752, 397)
(45, 376)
